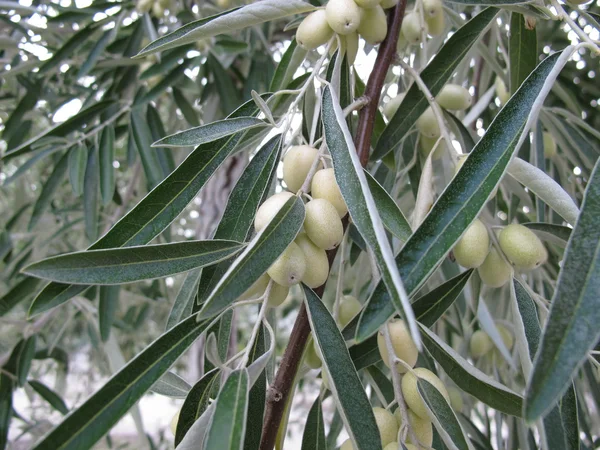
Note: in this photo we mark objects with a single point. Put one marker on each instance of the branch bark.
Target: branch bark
(279, 390)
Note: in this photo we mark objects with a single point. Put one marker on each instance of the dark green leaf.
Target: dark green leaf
(148, 155)
(50, 396)
(291, 59)
(52, 184)
(557, 234)
(90, 195)
(6, 391)
(188, 111)
(26, 104)
(69, 47)
(107, 171)
(78, 156)
(184, 301)
(21, 291)
(365, 354)
(522, 50)
(172, 385)
(257, 396)
(314, 430)
(382, 383)
(108, 304)
(96, 52)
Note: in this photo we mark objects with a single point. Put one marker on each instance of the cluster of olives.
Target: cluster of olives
(521, 247)
(158, 7)
(432, 23)
(481, 344)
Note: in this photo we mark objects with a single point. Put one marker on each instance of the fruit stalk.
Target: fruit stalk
(280, 388)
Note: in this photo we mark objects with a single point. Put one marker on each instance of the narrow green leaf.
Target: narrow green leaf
(522, 50)
(435, 75)
(188, 111)
(258, 256)
(290, 61)
(26, 104)
(6, 391)
(169, 60)
(353, 184)
(125, 265)
(108, 304)
(314, 430)
(462, 200)
(570, 420)
(107, 171)
(78, 156)
(227, 22)
(365, 354)
(24, 358)
(348, 392)
(92, 420)
(173, 78)
(68, 48)
(50, 396)
(556, 234)
(91, 190)
(571, 330)
(148, 155)
(171, 385)
(96, 52)
(258, 394)
(49, 188)
(184, 301)
(20, 292)
(382, 383)
(228, 426)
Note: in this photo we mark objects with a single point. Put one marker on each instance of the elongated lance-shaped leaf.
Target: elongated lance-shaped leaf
(470, 379)
(209, 132)
(344, 383)
(50, 186)
(314, 430)
(557, 234)
(20, 292)
(463, 198)
(149, 156)
(443, 417)
(365, 354)
(435, 75)
(172, 385)
(259, 255)
(522, 50)
(184, 301)
(290, 61)
(157, 210)
(83, 427)
(228, 21)
(108, 304)
(125, 265)
(6, 411)
(107, 171)
(258, 392)
(228, 426)
(91, 190)
(78, 156)
(354, 187)
(382, 383)
(572, 328)
(50, 396)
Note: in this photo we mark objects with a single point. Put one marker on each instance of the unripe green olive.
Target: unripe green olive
(411, 393)
(436, 24)
(432, 8)
(174, 422)
(426, 145)
(349, 45)
(454, 97)
(549, 145)
(144, 6)
(522, 247)
(402, 43)
(494, 271)
(325, 379)
(296, 165)
(158, 10)
(317, 264)
(390, 108)
(392, 446)
(314, 30)
(311, 358)
(349, 307)
(480, 344)
(501, 90)
(404, 347)
(258, 287)
(422, 427)
(277, 295)
(506, 336)
(385, 4)
(411, 28)
(343, 16)
(456, 400)
(427, 124)
(472, 248)
(387, 425)
(347, 445)
(324, 186)
(367, 3)
(322, 224)
(269, 209)
(290, 267)
(224, 3)
(373, 25)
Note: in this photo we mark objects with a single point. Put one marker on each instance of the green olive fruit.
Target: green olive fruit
(258, 287)
(296, 165)
(522, 247)
(436, 24)
(325, 379)
(506, 336)
(401, 44)
(456, 400)
(349, 307)
(501, 90)
(454, 97)
(324, 186)
(391, 446)
(472, 248)
(317, 264)
(343, 16)
(367, 4)
(422, 427)
(549, 145)
(322, 224)
(411, 28)
(390, 108)
(144, 6)
(347, 445)
(314, 30)
(311, 358)
(432, 8)
(277, 295)
(351, 47)
(158, 10)
(404, 347)
(426, 144)
(174, 422)
(269, 209)
(427, 124)
(411, 393)
(224, 3)
(373, 25)
(290, 267)
(387, 424)
(480, 344)
(385, 4)
(494, 271)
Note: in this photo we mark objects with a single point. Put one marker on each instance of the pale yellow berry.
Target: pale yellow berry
(343, 16)
(412, 27)
(411, 393)
(367, 3)
(311, 358)
(385, 4)
(454, 97)
(296, 165)
(436, 24)
(480, 344)
(422, 427)
(432, 8)
(404, 347)
(322, 224)
(174, 422)
(349, 307)
(472, 248)
(277, 295)
(549, 145)
(427, 124)
(317, 264)
(456, 400)
(522, 247)
(324, 186)
(501, 90)
(390, 108)
(347, 445)
(314, 30)
(373, 25)
(387, 425)
(290, 267)
(494, 271)
(269, 209)
(426, 145)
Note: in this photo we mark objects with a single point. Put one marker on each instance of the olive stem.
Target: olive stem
(357, 104)
(311, 172)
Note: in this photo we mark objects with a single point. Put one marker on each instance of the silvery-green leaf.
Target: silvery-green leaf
(290, 61)
(49, 188)
(487, 323)
(184, 301)
(106, 158)
(18, 293)
(314, 430)
(77, 161)
(171, 385)
(108, 303)
(556, 234)
(522, 50)
(50, 396)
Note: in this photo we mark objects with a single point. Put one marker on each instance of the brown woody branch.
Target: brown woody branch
(279, 390)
